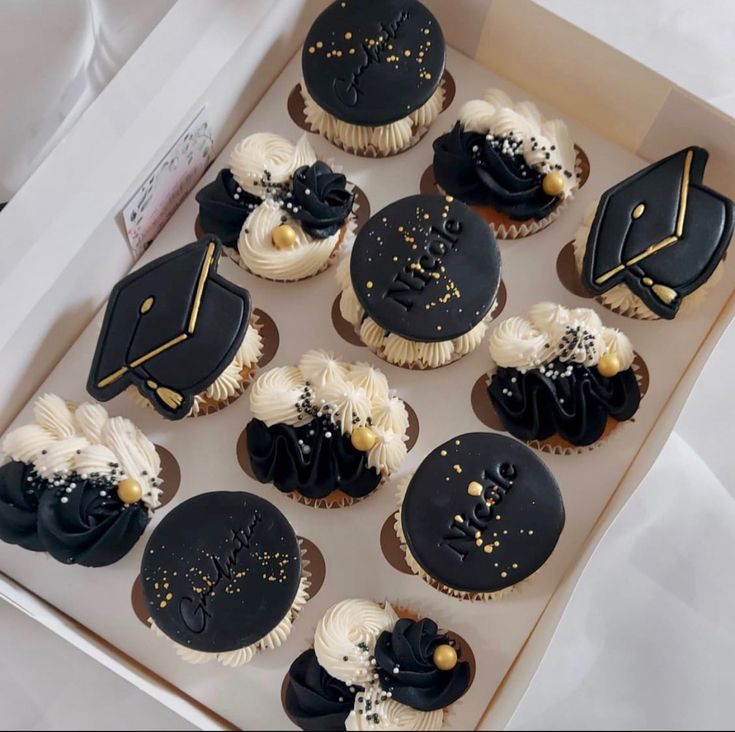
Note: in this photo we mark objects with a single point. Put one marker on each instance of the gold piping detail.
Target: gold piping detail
(147, 305)
(112, 377)
(669, 240)
(200, 287)
(159, 350)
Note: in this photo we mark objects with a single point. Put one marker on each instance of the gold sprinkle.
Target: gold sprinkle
(503, 574)
(443, 453)
(514, 565)
(477, 534)
(475, 488)
(369, 285)
(162, 604)
(456, 442)
(426, 216)
(478, 542)
(312, 49)
(488, 549)
(352, 52)
(169, 596)
(319, 44)
(407, 53)
(457, 468)
(458, 519)
(348, 36)
(530, 532)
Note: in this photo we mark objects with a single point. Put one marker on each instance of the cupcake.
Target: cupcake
(510, 164)
(559, 374)
(77, 483)
(180, 335)
(282, 213)
(373, 75)
(480, 515)
(371, 669)
(654, 244)
(422, 282)
(223, 578)
(325, 431)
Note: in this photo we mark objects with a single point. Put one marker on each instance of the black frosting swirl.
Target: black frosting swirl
(404, 659)
(322, 201)
(20, 488)
(315, 700)
(306, 460)
(84, 522)
(535, 406)
(224, 207)
(483, 170)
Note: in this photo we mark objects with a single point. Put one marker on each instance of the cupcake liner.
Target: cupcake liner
(417, 570)
(170, 476)
(554, 445)
(297, 112)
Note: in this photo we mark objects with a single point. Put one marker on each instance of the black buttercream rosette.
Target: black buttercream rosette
(490, 170)
(84, 522)
(314, 459)
(322, 200)
(314, 699)
(224, 207)
(404, 659)
(20, 488)
(76, 520)
(535, 406)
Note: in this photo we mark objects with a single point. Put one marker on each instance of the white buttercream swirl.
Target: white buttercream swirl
(94, 443)
(265, 159)
(470, 341)
(390, 413)
(383, 139)
(274, 395)
(348, 403)
(496, 113)
(372, 711)
(619, 297)
(322, 368)
(398, 350)
(516, 343)
(550, 332)
(388, 452)
(436, 353)
(306, 258)
(343, 630)
(618, 344)
(372, 335)
(349, 306)
(372, 380)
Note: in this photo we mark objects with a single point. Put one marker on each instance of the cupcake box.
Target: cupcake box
(98, 614)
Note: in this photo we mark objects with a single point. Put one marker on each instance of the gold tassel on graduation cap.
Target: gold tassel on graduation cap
(169, 397)
(662, 292)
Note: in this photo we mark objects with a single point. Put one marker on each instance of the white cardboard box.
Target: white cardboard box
(225, 54)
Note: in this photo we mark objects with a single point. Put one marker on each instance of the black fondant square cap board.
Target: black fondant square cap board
(170, 329)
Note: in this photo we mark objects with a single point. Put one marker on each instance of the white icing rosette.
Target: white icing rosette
(345, 638)
(321, 368)
(620, 298)
(373, 381)
(374, 712)
(380, 141)
(69, 440)
(516, 343)
(263, 160)
(274, 396)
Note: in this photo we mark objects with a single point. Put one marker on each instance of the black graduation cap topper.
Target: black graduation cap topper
(171, 328)
(660, 232)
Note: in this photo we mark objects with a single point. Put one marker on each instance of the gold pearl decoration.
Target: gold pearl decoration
(284, 237)
(363, 439)
(475, 488)
(445, 657)
(553, 183)
(609, 365)
(129, 491)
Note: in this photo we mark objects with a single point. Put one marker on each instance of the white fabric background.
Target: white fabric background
(648, 638)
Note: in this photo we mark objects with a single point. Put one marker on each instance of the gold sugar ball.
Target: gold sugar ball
(475, 488)
(129, 490)
(283, 237)
(445, 657)
(363, 439)
(609, 365)
(553, 184)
